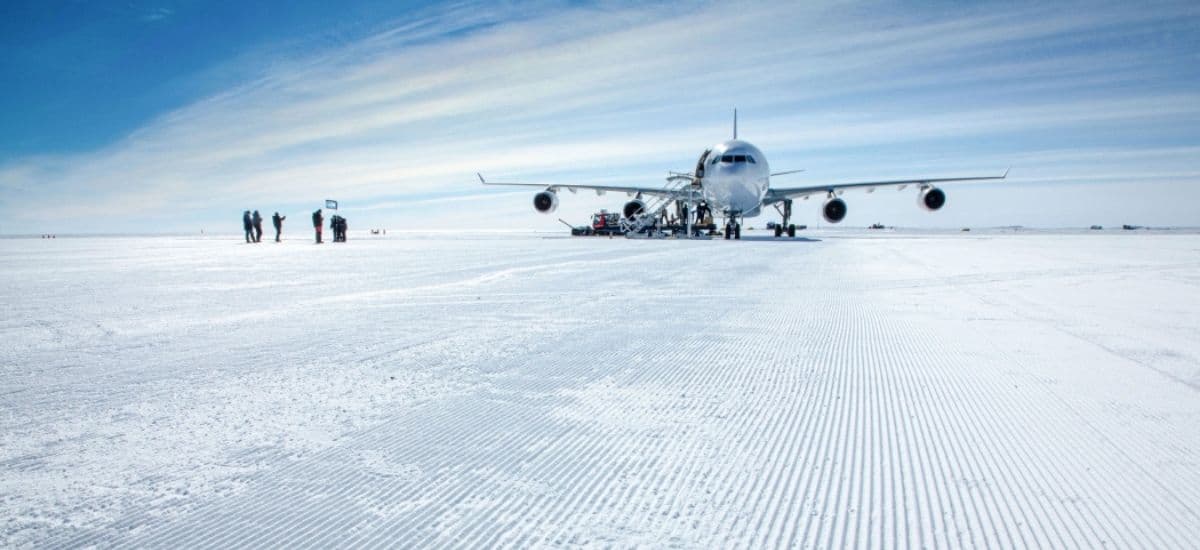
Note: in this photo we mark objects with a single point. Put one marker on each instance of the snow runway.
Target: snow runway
(422, 390)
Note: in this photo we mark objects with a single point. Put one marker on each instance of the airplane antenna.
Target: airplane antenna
(735, 123)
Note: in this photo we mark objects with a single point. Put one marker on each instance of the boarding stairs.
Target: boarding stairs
(680, 187)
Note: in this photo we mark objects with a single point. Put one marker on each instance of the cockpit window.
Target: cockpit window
(715, 160)
(750, 159)
(726, 158)
(739, 158)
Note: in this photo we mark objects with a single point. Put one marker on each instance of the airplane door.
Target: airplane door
(701, 162)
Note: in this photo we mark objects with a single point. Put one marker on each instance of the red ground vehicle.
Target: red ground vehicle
(606, 223)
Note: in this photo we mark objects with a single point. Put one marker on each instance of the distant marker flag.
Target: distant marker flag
(331, 205)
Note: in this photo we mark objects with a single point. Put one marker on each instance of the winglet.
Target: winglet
(735, 123)
(1006, 172)
(481, 180)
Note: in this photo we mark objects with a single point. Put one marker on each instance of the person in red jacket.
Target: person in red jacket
(318, 221)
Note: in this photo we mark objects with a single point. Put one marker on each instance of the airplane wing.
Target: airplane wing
(775, 195)
(599, 189)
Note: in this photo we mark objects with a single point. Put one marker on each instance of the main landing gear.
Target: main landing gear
(786, 212)
(790, 230)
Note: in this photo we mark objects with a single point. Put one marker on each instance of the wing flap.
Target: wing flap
(600, 190)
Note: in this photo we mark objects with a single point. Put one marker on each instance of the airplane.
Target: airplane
(733, 178)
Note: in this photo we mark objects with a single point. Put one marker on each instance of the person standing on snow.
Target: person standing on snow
(335, 224)
(318, 221)
(257, 227)
(277, 221)
(248, 225)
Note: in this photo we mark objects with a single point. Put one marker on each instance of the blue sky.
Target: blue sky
(177, 116)
(83, 74)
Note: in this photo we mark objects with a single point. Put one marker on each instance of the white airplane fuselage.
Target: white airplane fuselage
(735, 178)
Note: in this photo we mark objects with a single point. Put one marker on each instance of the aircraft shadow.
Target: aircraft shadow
(770, 239)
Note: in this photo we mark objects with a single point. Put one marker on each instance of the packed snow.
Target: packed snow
(866, 389)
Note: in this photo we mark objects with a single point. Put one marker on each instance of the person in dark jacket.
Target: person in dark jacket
(277, 221)
(338, 225)
(702, 212)
(248, 225)
(318, 222)
(257, 226)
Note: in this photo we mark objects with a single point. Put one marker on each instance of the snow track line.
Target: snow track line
(574, 451)
(231, 540)
(1117, 450)
(1110, 520)
(599, 480)
(747, 375)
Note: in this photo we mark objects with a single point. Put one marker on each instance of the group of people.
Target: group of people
(336, 223)
(252, 223)
(702, 214)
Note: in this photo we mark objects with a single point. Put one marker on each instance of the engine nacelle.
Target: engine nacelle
(545, 202)
(633, 208)
(834, 210)
(932, 198)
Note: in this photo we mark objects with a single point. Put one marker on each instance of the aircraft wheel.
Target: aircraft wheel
(737, 231)
(792, 230)
(778, 231)
(728, 232)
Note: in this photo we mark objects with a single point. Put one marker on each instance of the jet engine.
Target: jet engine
(932, 198)
(633, 208)
(545, 202)
(834, 210)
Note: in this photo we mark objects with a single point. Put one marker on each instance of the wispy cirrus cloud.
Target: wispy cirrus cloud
(618, 93)
(157, 14)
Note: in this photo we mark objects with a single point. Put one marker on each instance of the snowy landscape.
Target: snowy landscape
(847, 388)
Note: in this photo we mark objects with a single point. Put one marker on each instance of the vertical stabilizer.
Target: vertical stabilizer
(735, 123)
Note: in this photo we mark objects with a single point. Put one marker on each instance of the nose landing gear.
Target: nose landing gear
(733, 228)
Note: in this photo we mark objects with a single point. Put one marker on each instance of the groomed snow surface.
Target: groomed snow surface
(846, 389)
